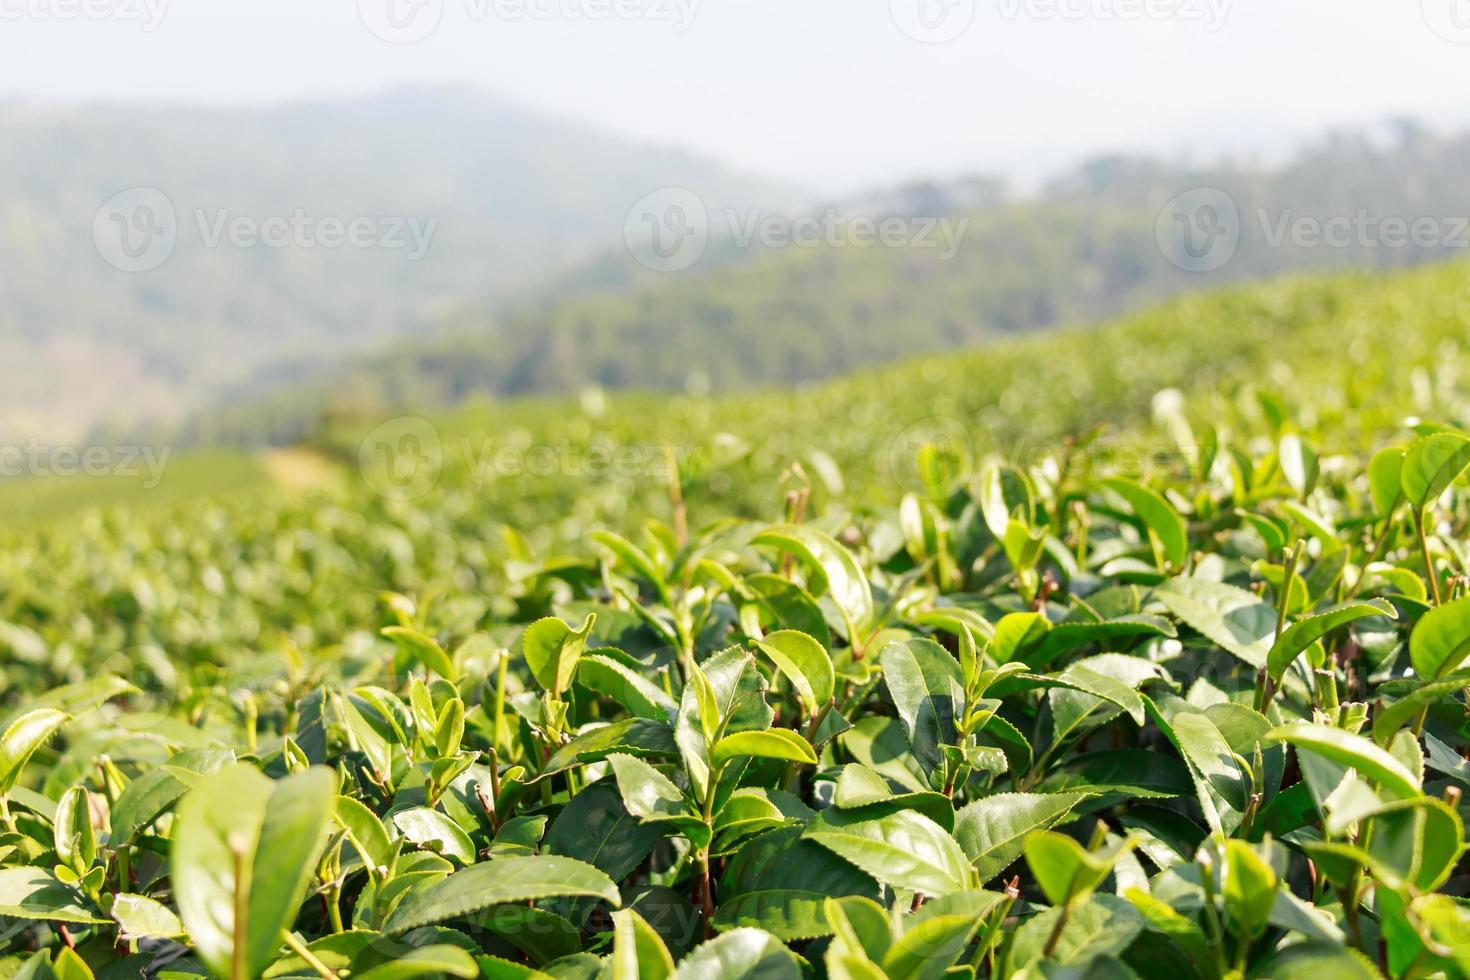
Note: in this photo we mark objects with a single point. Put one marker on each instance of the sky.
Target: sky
(837, 94)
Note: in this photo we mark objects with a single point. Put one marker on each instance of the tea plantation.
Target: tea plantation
(1136, 651)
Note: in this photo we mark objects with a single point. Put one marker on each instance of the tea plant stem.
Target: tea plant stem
(1056, 931)
(676, 497)
(992, 929)
(1068, 445)
(1267, 689)
(1378, 547)
(1082, 528)
(1242, 954)
(124, 872)
(706, 896)
(545, 783)
(501, 675)
(1284, 600)
(1420, 719)
(239, 969)
(494, 758)
(821, 716)
(334, 908)
(1212, 914)
(1348, 895)
(794, 768)
(1428, 559)
(300, 949)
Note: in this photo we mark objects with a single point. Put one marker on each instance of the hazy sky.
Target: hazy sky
(833, 93)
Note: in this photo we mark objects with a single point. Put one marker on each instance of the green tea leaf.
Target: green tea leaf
(140, 917)
(805, 663)
(1431, 464)
(498, 882)
(638, 952)
(928, 690)
(22, 738)
(1441, 639)
(423, 649)
(992, 831)
(1300, 635)
(780, 881)
(740, 954)
(33, 893)
(1351, 750)
(776, 743)
(1249, 889)
(435, 832)
(903, 849)
(243, 849)
(833, 570)
(552, 649)
(1233, 619)
(1064, 869)
(1158, 516)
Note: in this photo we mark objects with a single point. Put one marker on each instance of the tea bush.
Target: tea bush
(1043, 713)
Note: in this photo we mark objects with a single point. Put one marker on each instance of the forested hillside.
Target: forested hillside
(157, 259)
(1095, 243)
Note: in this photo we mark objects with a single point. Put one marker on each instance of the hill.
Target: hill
(156, 259)
(1096, 243)
(1311, 347)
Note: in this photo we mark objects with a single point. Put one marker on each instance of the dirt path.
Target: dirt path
(299, 468)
